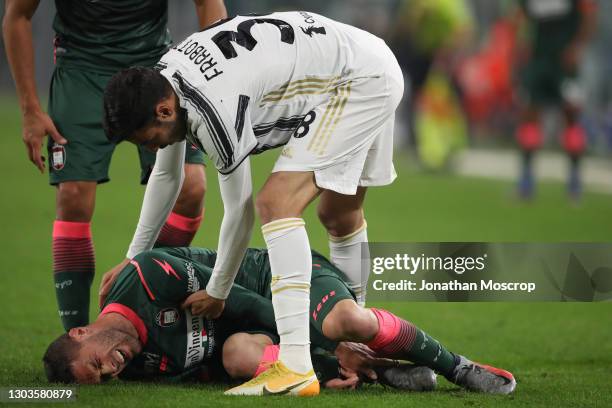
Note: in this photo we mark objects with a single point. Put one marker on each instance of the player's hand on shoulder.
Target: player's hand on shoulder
(108, 279)
(36, 125)
(201, 303)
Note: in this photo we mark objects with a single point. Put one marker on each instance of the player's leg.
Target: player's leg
(393, 337)
(573, 138)
(247, 355)
(75, 169)
(73, 250)
(342, 216)
(280, 204)
(369, 117)
(331, 294)
(529, 136)
(186, 216)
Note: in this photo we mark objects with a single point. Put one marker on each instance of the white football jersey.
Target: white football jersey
(248, 82)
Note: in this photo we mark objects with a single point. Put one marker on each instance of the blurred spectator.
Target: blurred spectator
(430, 33)
(486, 80)
(557, 31)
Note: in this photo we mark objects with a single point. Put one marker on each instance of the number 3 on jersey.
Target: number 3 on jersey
(243, 37)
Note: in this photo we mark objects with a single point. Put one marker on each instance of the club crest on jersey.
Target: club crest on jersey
(167, 317)
(58, 156)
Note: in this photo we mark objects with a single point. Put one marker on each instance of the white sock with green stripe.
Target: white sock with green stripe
(346, 254)
(291, 264)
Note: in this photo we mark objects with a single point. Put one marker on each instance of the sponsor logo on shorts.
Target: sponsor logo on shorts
(167, 317)
(315, 312)
(58, 156)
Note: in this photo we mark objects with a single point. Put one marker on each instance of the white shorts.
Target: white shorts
(348, 140)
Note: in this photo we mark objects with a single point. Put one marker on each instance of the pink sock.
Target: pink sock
(394, 335)
(178, 230)
(73, 247)
(529, 136)
(270, 355)
(574, 140)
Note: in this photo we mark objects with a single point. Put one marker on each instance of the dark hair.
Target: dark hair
(58, 359)
(130, 98)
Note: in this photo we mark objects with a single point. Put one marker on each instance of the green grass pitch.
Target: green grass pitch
(561, 354)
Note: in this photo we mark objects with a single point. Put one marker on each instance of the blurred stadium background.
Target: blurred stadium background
(469, 135)
(458, 186)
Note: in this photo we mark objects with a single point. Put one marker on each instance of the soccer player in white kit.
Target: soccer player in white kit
(324, 92)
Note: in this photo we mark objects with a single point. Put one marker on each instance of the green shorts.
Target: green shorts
(326, 289)
(75, 105)
(543, 80)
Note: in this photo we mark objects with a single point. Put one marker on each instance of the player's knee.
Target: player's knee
(241, 355)
(340, 224)
(75, 201)
(347, 321)
(265, 206)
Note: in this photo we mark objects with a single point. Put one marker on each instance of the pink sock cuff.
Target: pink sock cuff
(529, 135)
(388, 329)
(270, 355)
(68, 229)
(184, 223)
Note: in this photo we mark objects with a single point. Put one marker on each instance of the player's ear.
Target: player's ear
(79, 333)
(164, 110)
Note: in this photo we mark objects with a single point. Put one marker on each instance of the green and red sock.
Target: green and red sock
(178, 231)
(399, 339)
(74, 266)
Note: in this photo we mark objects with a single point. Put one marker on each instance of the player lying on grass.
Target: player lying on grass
(150, 327)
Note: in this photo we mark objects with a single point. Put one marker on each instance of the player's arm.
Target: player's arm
(17, 33)
(241, 305)
(239, 214)
(160, 195)
(209, 11)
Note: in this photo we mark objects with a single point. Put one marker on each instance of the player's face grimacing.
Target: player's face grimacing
(169, 126)
(103, 353)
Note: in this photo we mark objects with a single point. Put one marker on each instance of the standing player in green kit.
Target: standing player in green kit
(94, 39)
(559, 31)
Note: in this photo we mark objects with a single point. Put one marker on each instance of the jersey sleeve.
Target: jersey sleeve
(221, 125)
(162, 191)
